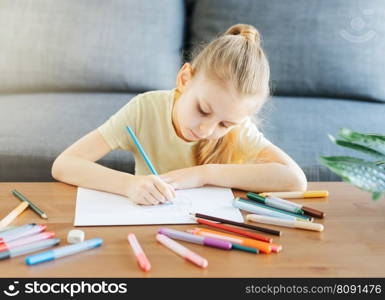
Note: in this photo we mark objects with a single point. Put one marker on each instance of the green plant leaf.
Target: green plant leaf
(337, 159)
(373, 141)
(361, 148)
(363, 174)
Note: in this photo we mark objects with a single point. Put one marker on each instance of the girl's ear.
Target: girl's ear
(185, 75)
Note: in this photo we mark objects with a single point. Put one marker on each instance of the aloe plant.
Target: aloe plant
(368, 175)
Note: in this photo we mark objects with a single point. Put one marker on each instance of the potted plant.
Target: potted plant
(368, 175)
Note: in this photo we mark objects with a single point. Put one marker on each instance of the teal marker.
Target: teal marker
(280, 211)
(273, 202)
(256, 209)
(141, 150)
(244, 248)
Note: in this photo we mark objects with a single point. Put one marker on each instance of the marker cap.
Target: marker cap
(315, 194)
(40, 257)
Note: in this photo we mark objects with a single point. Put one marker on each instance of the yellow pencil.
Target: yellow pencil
(13, 214)
(297, 195)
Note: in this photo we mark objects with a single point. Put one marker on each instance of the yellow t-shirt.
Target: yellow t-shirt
(150, 117)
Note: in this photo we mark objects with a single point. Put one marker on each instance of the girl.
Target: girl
(198, 134)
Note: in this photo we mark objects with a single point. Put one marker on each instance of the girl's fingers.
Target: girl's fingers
(150, 199)
(169, 181)
(164, 189)
(143, 201)
(157, 195)
(173, 191)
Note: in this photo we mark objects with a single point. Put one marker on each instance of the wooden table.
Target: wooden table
(352, 244)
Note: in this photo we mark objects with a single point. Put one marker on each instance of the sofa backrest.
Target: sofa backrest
(89, 45)
(323, 48)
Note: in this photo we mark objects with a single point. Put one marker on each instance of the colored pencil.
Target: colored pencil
(249, 226)
(261, 246)
(32, 205)
(297, 195)
(141, 150)
(286, 223)
(244, 248)
(141, 257)
(13, 214)
(278, 212)
(235, 230)
(307, 210)
(182, 250)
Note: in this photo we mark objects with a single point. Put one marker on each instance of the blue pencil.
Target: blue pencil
(144, 155)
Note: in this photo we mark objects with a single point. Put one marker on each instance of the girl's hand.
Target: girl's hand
(149, 190)
(186, 178)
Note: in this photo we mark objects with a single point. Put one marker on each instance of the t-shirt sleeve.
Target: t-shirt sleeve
(251, 135)
(114, 130)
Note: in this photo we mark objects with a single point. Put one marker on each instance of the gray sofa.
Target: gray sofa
(66, 66)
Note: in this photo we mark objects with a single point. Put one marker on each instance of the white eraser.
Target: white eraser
(75, 236)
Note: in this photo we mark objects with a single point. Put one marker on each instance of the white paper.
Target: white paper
(95, 208)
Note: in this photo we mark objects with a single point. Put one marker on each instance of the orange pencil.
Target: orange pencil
(13, 214)
(262, 246)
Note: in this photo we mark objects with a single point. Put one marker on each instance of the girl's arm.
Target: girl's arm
(275, 172)
(76, 165)
(278, 172)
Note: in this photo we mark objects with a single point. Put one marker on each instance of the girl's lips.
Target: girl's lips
(194, 135)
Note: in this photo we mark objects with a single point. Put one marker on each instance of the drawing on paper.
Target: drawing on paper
(182, 203)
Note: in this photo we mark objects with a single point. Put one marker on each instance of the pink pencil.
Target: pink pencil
(182, 251)
(142, 259)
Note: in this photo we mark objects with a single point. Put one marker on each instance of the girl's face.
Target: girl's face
(208, 109)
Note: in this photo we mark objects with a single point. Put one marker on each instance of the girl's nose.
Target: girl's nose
(206, 129)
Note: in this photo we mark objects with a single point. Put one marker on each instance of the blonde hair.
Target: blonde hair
(235, 57)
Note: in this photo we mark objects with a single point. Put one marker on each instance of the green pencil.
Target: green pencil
(33, 206)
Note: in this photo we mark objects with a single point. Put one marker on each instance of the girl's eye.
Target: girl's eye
(224, 125)
(202, 112)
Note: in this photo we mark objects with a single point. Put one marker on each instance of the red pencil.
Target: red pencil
(235, 230)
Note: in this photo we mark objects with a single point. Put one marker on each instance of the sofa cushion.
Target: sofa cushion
(36, 128)
(331, 48)
(71, 45)
(300, 126)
